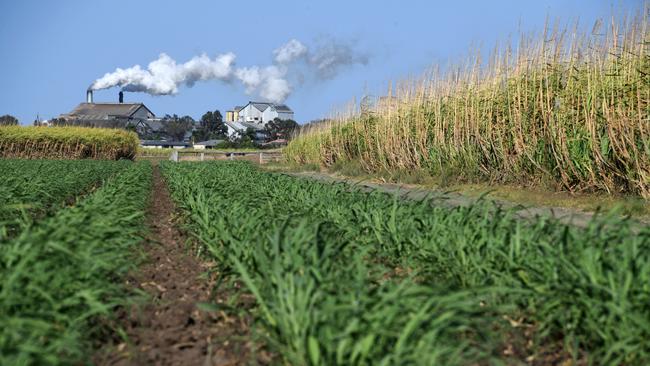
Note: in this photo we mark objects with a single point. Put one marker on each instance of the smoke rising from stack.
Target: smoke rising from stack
(292, 62)
(164, 76)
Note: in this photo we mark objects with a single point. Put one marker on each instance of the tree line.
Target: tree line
(173, 127)
(8, 120)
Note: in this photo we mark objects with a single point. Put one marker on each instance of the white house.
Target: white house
(236, 129)
(262, 113)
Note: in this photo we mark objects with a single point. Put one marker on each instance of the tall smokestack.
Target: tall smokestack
(121, 96)
(89, 96)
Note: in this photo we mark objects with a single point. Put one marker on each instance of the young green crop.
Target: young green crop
(32, 188)
(59, 276)
(345, 277)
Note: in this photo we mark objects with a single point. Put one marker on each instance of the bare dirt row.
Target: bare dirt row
(170, 328)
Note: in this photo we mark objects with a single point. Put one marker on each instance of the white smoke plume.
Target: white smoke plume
(163, 76)
(290, 51)
(272, 83)
(332, 56)
(268, 82)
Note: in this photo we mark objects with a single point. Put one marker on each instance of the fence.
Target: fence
(257, 157)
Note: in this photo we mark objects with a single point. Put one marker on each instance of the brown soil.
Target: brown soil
(170, 329)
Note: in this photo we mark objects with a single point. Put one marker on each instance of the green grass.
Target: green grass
(349, 278)
(530, 196)
(154, 152)
(535, 195)
(60, 277)
(33, 188)
(626, 205)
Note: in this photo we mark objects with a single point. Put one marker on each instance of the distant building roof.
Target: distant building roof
(282, 108)
(235, 125)
(155, 125)
(163, 143)
(255, 126)
(209, 142)
(98, 111)
(262, 106)
(242, 126)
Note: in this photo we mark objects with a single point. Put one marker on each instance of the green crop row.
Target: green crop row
(67, 143)
(343, 277)
(32, 188)
(58, 277)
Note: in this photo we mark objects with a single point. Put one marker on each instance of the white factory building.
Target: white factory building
(255, 115)
(259, 112)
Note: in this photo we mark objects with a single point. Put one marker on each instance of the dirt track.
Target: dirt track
(170, 329)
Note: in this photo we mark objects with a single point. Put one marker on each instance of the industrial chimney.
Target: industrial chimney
(89, 96)
(121, 97)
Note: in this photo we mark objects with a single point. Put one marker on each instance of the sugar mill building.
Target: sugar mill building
(233, 115)
(113, 115)
(259, 112)
(255, 116)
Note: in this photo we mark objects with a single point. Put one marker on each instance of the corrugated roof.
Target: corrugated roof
(242, 126)
(98, 121)
(261, 106)
(103, 110)
(155, 125)
(255, 126)
(163, 143)
(209, 142)
(234, 125)
(282, 108)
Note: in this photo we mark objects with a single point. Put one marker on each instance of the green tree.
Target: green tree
(281, 128)
(244, 138)
(8, 120)
(211, 126)
(176, 127)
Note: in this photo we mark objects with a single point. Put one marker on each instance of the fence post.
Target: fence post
(261, 160)
(174, 156)
(202, 155)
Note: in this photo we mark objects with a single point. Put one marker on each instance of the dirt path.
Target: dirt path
(170, 329)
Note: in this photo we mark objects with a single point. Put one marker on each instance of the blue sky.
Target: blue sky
(51, 51)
